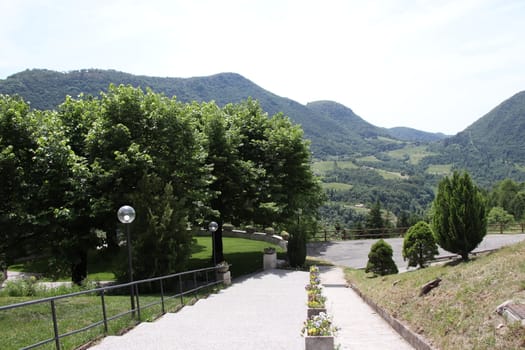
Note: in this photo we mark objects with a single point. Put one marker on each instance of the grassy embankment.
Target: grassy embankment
(460, 312)
(25, 326)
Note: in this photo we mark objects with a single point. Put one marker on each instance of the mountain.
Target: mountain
(358, 162)
(409, 134)
(492, 148)
(332, 128)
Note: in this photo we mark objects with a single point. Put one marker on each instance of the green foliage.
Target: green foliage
(380, 260)
(459, 220)
(21, 287)
(67, 172)
(297, 246)
(510, 196)
(498, 215)
(419, 245)
(374, 218)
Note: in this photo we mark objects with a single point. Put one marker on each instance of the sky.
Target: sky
(432, 65)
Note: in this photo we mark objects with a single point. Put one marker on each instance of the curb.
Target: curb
(412, 338)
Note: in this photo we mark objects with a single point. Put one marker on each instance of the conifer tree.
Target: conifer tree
(419, 245)
(459, 221)
(380, 260)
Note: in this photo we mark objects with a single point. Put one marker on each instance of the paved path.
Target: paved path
(360, 327)
(355, 253)
(263, 312)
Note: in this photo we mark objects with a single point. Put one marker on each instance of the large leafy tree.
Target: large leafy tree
(145, 152)
(261, 168)
(16, 152)
(459, 219)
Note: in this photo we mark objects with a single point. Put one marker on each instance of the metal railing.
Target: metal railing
(181, 287)
(364, 233)
(327, 235)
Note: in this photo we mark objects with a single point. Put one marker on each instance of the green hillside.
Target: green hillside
(357, 161)
(409, 134)
(492, 148)
(46, 89)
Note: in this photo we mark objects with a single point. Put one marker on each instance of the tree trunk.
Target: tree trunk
(464, 256)
(79, 267)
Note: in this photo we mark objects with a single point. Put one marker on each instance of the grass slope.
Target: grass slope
(459, 314)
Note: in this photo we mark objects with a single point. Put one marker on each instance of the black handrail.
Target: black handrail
(101, 291)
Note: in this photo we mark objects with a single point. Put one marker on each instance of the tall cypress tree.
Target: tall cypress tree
(459, 221)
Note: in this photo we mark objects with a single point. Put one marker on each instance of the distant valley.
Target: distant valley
(357, 161)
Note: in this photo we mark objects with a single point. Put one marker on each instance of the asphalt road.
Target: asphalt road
(355, 253)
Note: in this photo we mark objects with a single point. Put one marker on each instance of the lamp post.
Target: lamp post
(126, 215)
(213, 226)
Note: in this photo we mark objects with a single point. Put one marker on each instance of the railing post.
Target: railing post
(55, 324)
(195, 284)
(162, 297)
(137, 296)
(181, 291)
(104, 315)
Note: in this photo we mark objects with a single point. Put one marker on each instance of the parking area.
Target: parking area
(355, 253)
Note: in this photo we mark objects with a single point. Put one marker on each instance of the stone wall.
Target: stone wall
(257, 236)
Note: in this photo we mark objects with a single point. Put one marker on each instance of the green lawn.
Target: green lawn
(245, 255)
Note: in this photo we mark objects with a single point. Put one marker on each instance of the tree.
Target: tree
(16, 145)
(419, 245)
(374, 221)
(260, 166)
(459, 221)
(145, 151)
(296, 249)
(499, 216)
(380, 260)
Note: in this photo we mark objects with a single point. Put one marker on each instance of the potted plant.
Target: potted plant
(319, 332)
(222, 267)
(269, 250)
(316, 302)
(269, 231)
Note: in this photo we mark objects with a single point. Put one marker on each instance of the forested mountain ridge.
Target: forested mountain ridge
(492, 148)
(409, 134)
(357, 161)
(332, 128)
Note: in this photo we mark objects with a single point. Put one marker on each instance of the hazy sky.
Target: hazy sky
(433, 65)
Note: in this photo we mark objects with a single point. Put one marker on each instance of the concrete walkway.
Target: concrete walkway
(360, 327)
(263, 312)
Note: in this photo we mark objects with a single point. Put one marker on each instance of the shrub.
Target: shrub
(380, 260)
(419, 245)
(297, 247)
(21, 287)
(227, 227)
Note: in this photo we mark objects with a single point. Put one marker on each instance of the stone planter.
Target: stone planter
(311, 312)
(318, 343)
(225, 277)
(269, 261)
